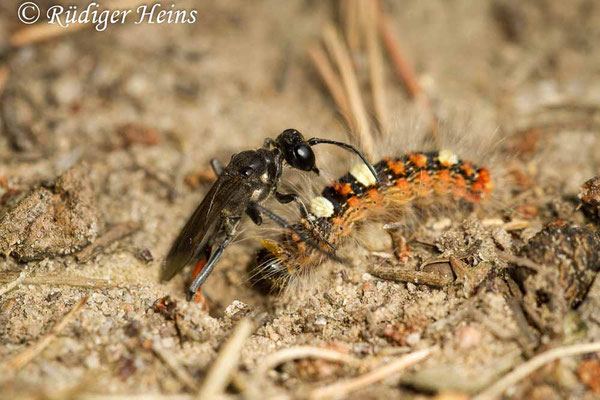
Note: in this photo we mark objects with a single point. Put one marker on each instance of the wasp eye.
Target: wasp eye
(304, 158)
(247, 172)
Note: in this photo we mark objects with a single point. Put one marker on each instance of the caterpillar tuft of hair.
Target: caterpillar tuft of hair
(415, 179)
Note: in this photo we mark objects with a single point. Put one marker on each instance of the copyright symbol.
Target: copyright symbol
(28, 13)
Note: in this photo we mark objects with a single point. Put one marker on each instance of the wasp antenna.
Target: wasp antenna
(315, 141)
(286, 225)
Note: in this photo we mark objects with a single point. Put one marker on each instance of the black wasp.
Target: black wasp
(242, 186)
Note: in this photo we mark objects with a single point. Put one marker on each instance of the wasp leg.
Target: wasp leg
(254, 215)
(230, 226)
(286, 225)
(285, 198)
(216, 166)
(268, 143)
(201, 297)
(210, 265)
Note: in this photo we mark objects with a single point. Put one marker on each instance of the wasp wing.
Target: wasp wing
(202, 224)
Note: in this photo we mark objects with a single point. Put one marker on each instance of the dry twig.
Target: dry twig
(142, 396)
(42, 31)
(13, 284)
(58, 280)
(293, 353)
(20, 360)
(339, 53)
(520, 261)
(45, 31)
(332, 81)
(402, 66)
(523, 370)
(350, 12)
(146, 396)
(115, 233)
(4, 72)
(405, 71)
(299, 352)
(180, 373)
(226, 361)
(375, 62)
(345, 387)
(412, 276)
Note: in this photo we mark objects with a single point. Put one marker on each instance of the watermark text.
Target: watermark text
(101, 18)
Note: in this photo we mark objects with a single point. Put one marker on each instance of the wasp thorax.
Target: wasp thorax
(249, 164)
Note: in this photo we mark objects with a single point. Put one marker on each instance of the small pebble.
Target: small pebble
(442, 224)
(235, 307)
(413, 339)
(92, 361)
(468, 337)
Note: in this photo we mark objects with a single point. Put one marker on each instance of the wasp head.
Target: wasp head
(296, 150)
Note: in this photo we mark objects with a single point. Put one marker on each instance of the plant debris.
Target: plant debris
(52, 221)
(569, 259)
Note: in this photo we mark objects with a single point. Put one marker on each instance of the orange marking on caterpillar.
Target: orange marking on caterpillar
(404, 190)
(396, 167)
(375, 196)
(468, 169)
(343, 188)
(403, 184)
(341, 225)
(459, 188)
(423, 183)
(419, 159)
(442, 182)
(354, 202)
(485, 180)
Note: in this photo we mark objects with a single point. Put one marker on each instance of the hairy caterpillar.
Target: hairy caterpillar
(415, 178)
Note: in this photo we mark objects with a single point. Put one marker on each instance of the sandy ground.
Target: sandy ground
(131, 112)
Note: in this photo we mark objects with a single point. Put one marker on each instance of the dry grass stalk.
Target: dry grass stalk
(42, 31)
(412, 276)
(293, 353)
(58, 280)
(405, 71)
(142, 396)
(343, 388)
(376, 70)
(495, 391)
(350, 12)
(226, 362)
(115, 233)
(180, 373)
(13, 284)
(519, 261)
(402, 66)
(332, 81)
(339, 53)
(4, 72)
(299, 352)
(20, 360)
(145, 396)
